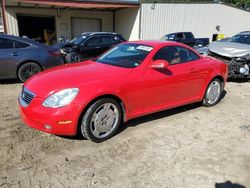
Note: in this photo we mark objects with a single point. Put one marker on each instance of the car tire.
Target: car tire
(73, 57)
(101, 120)
(27, 70)
(213, 93)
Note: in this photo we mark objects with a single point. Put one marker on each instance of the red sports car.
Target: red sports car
(130, 80)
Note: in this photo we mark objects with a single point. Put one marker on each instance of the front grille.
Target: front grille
(27, 96)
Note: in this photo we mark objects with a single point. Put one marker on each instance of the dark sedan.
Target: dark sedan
(21, 58)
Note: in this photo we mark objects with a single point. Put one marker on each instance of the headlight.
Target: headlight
(65, 50)
(61, 98)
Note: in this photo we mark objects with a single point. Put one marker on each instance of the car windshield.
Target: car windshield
(126, 55)
(245, 39)
(167, 37)
(78, 39)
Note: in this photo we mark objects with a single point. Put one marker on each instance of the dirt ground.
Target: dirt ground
(191, 146)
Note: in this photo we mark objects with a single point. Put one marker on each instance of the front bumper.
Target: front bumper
(58, 121)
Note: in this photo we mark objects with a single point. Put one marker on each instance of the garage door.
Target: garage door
(81, 25)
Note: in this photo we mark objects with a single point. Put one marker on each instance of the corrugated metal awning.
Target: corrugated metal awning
(81, 4)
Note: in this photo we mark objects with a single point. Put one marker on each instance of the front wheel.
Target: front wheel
(213, 93)
(27, 70)
(73, 57)
(101, 120)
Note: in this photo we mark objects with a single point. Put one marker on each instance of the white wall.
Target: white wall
(201, 19)
(1, 26)
(62, 19)
(1, 23)
(127, 23)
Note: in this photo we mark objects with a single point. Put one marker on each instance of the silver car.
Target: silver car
(234, 51)
(20, 58)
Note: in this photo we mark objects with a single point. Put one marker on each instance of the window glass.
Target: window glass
(169, 54)
(126, 55)
(20, 44)
(245, 39)
(170, 37)
(107, 40)
(192, 56)
(5, 43)
(175, 55)
(186, 55)
(188, 36)
(78, 39)
(93, 41)
(180, 36)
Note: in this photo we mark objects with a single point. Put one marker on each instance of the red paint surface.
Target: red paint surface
(142, 90)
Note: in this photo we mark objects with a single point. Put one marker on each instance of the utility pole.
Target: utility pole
(4, 16)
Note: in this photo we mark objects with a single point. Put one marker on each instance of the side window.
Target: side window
(20, 44)
(186, 55)
(247, 39)
(180, 36)
(188, 36)
(107, 40)
(175, 55)
(169, 54)
(6, 44)
(93, 41)
(171, 37)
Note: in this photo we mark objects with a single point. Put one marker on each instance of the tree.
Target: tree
(245, 4)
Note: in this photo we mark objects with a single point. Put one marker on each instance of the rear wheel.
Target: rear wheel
(213, 93)
(101, 120)
(27, 70)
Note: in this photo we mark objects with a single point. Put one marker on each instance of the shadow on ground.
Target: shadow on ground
(228, 184)
(239, 80)
(147, 118)
(12, 81)
(162, 114)
(144, 119)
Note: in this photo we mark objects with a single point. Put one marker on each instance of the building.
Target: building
(1, 23)
(68, 19)
(145, 20)
(203, 19)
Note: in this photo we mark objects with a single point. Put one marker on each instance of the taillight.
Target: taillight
(54, 53)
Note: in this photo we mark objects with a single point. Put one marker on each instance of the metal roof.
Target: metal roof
(75, 4)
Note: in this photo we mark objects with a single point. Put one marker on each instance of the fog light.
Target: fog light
(47, 127)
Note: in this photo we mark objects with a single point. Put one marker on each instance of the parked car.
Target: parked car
(130, 80)
(234, 51)
(187, 38)
(89, 45)
(21, 58)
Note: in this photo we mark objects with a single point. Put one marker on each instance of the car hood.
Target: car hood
(73, 76)
(229, 49)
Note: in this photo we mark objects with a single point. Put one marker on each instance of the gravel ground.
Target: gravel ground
(190, 146)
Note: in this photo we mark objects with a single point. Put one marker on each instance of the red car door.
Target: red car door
(179, 83)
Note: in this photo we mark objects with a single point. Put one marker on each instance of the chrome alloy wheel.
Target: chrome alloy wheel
(213, 92)
(75, 58)
(104, 120)
(27, 70)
